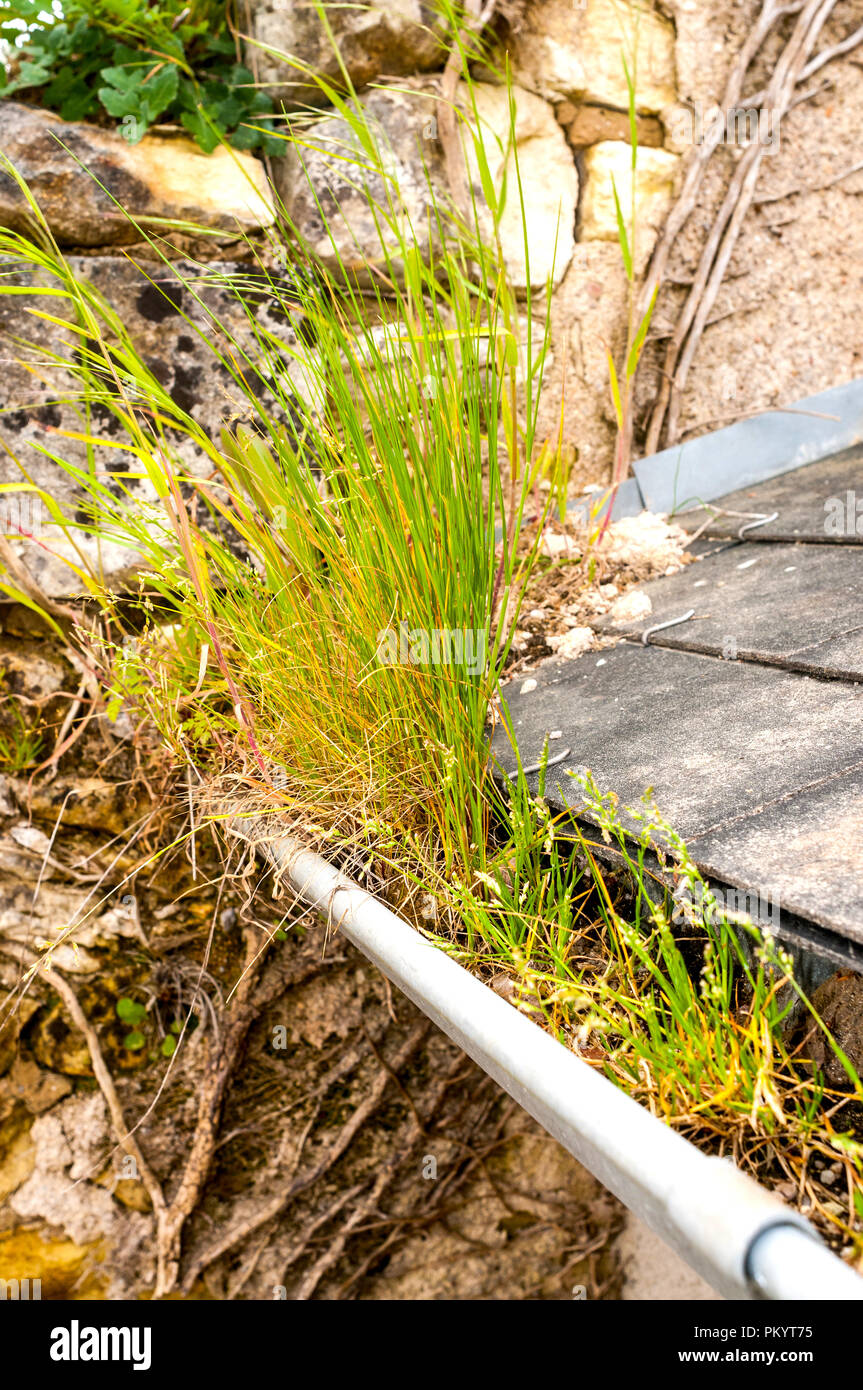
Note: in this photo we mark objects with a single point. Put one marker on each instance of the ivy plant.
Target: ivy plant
(137, 62)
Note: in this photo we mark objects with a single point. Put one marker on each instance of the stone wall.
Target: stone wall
(785, 323)
(571, 135)
(173, 326)
(781, 329)
(511, 1215)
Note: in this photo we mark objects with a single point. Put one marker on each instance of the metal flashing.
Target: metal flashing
(752, 451)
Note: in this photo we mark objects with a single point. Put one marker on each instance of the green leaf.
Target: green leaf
(638, 340)
(119, 104)
(633, 117)
(221, 45)
(488, 189)
(211, 92)
(125, 78)
(65, 80)
(29, 75)
(130, 1011)
(187, 94)
(615, 389)
(229, 112)
(172, 46)
(200, 130)
(259, 103)
(157, 92)
(169, 1045)
(270, 144)
(70, 95)
(245, 137)
(80, 36)
(621, 233)
(134, 1041)
(122, 55)
(240, 76)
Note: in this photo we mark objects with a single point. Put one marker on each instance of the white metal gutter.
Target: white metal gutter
(743, 1241)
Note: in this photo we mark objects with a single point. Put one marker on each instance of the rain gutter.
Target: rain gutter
(741, 1239)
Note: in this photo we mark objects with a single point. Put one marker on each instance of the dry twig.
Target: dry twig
(729, 220)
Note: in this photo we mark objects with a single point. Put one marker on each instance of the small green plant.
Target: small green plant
(137, 62)
(622, 380)
(646, 974)
(20, 746)
(134, 1015)
(169, 1042)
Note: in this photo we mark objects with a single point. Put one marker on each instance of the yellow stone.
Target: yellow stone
(61, 1265)
(573, 52)
(129, 1191)
(609, 166)
(161, 178)
(17, 1158)
(549, 182)
(229, 183)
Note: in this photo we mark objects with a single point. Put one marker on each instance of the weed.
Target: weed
(683, 1004)
(21, 745)
(138, 62)
(621, 382)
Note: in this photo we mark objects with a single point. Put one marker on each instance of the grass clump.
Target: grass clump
(691, 1008)
(362, 500)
